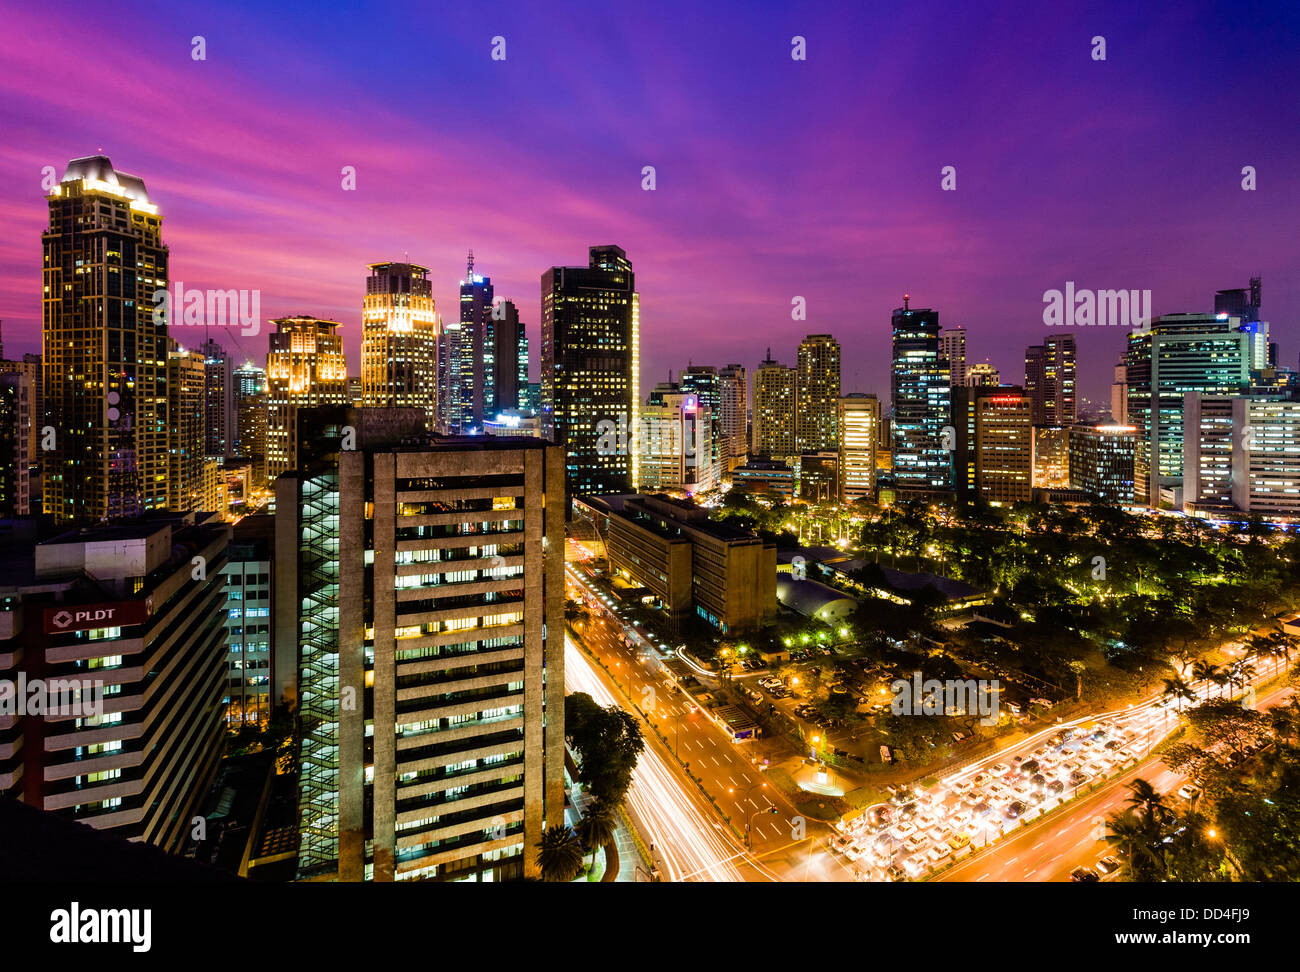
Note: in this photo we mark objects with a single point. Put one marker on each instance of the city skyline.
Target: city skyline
(770, 206)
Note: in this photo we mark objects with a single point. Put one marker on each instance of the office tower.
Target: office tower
(859, 428)
(1179, 353)
(356, 391)
(1101, 462)
(472, 356)
(921, 405)
(1004, 446)
(1244, 304)
(733, 415)
(250, 419)
(1241, 453)
(133, 614)
(1050, 380)
(1051, 457)
(704, 383)
(249, 597)
(982, 375)
(218, 400)
(817, 391)
(507, 382)
(105, 350)
(533, 401)
(952, 347)
(449, 377)
(399, 340)
(1119, 395)
(590, 367)
(30, 366)
(431, 654)
(304, 367)
(15, 440)
(675, 443)
(774, 409)
(186, 391)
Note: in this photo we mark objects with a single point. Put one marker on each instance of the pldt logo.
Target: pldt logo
(65, 619)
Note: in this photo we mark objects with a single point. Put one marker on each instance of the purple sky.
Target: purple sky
(776, 178)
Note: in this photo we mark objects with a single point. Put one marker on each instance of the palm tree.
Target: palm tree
(1179, 690)
(1203, 671)
(1147, 802)
(1131, 838)
(1241, 673)
(597, 828)
(559, 853)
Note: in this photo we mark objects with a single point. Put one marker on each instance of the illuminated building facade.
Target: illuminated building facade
(304, 367)
(952, 347)
(1004, 446)
(105, 350)
(733, 415)
(590, 368)
(1050, 375)
(921, 405)
(817, 392)
(1051, 457)
(250, 394)
(218, 400)
(399, 340)
(1241, 453)
(1101, 462)
(774, 409)
(859, 431)
(186, 393)
(675, 445)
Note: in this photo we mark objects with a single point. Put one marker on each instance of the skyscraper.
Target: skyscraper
(105, 349)
(399, 340)
(952, 347)
(474, 361)
(817, 393)
(16, 401)
(859, 428)
(703, 382)
(921, 405)
(186, 392)
(590, 367)
(508, 382)
(734, 415)
(250, 419)
(432, 688)
(304, 367)
(218, 400)
(1101, 462)
(774, 409)
(1179, 353)
(1050, 380)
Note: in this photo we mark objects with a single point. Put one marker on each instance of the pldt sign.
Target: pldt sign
(85, 616)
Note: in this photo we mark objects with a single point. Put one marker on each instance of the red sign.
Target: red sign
(83, 617)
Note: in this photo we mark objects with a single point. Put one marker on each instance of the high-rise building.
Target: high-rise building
(122, 612)
(952, 347)
(218, 400)
(507, 383)
(1244, 304)
(859, 429)
(249, 598)
(733, 414)
(1241, 452)
(1050, 374)
(30, 366)
(304, 367)
(105, 348)
(774, 409)
(817, 392)
(1179, 353)
(921, 405)
(982, 375)
(590, 367)
(474, 355)
(15, 439)
(1004, 446)
(250, 419)
(1101, 462)
(399, 341)
(1119, 395)
(676, 446)
(705, 384)
(431, 655)
(356, 391)
(186, 393)
(1051, 457)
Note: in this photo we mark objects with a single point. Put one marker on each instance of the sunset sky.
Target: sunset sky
(775, 177)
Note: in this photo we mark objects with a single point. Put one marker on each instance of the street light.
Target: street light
(748, 812)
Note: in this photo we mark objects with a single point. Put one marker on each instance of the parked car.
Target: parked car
(1084, 875)
(1108, 866)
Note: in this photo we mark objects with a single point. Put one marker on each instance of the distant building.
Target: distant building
(859, 429)
(15, 439)
(734, 415)
(250, 420)
(249, 598)
(1050, 377)
(1101, 462)
(1242, 453)
(817, 390)
(305, 367)
(819, 477)
(764, 476)
(920, 391)
(676, 447)
(186, 421)
(774, 410)
(952, 348)
(1051, 457)
(399, 339)
(982, 375)
(218, 400)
